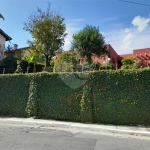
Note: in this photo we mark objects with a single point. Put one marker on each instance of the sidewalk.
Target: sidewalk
(131, 130)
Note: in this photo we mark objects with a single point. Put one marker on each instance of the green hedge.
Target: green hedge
(14, 91)
(58, 96)
(112, 97)
(56, 99)
(121, 97)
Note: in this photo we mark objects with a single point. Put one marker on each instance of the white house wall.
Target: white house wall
(2, 44)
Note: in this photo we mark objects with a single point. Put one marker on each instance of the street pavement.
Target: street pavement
(36, 137)
(99, 128)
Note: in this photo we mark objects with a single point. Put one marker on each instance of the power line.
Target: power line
(134, 3)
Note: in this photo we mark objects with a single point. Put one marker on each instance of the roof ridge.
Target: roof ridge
(8, 38)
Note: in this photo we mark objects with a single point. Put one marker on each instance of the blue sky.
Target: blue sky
(125, 26)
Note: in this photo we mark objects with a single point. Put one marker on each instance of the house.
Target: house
(141, 55)
(102, 59)
(19, 53)
(113, 57)
(3, 38)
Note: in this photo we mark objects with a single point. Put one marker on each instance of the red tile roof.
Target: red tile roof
(143, 49)
(126, 55)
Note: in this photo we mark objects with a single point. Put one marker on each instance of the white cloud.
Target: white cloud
(141, 23)
(70, 31)
(72, 26)
(127, 38)
(127, 30)
(123, 40)
(127, 41)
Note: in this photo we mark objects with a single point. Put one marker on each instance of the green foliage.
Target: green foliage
(48, 31)
(112, 97)
(106, 67)
(57, 99)
(10, 64)
(89, 41)
(87, 67)
(95, 66)
(86, 104)
(129, 63)
(120, 97)
(39, 67)
(146, 68)
(14, 93)
(31, 108)
(19, 69)
(33, 57)
(66, 62)
(1, 66)
(24, 65)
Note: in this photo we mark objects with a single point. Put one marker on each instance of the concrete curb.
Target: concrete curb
(139, 131)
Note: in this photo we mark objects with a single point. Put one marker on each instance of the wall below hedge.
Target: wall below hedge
(112, 97)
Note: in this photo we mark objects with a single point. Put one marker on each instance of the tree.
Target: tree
(33, 57)
(66, 62)
(10, 64)
(48, 32)
(129, 63)
(108, 66)
(89, 41)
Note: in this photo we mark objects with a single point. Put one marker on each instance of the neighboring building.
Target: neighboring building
(142, 55)
(19, 53)
(104, 59)
(113, 57)
(3, 38)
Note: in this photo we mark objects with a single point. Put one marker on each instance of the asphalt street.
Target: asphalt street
(26, 137)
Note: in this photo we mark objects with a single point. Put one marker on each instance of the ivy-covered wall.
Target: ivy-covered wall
(14, 93)
(111, 97)
(121, 97)
(58, 96)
